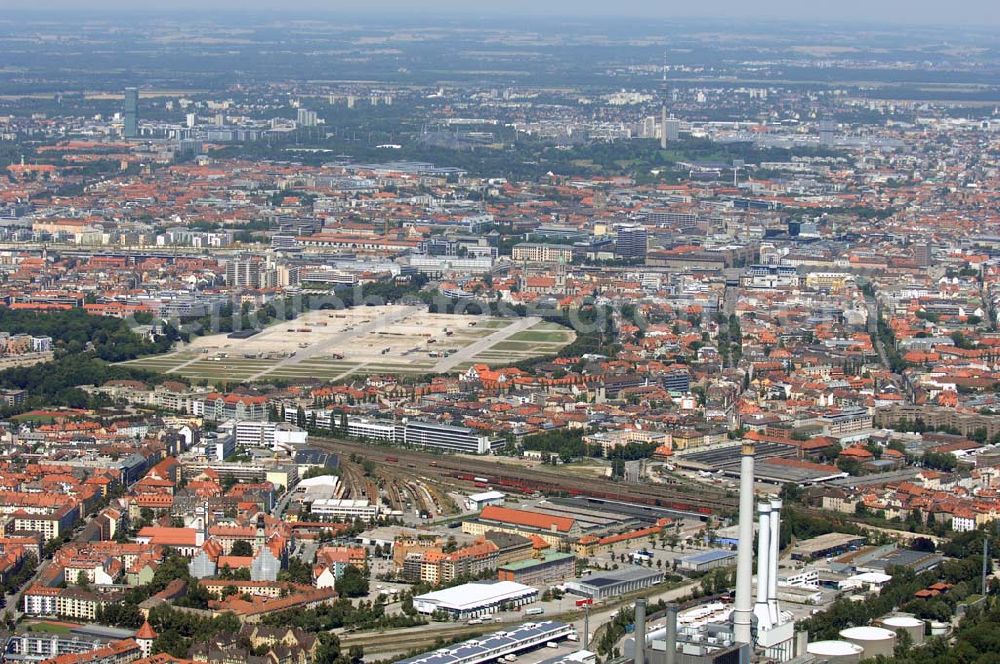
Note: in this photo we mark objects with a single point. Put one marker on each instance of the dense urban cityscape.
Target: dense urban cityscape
(445, 339)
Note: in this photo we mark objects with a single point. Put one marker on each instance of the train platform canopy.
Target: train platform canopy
(578, 657)
(493, 647)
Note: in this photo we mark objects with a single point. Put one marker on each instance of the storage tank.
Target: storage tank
(836, 652)
(912, 626)
(940, 628)
(875, 640)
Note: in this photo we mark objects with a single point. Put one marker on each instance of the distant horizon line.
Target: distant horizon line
(476, 13)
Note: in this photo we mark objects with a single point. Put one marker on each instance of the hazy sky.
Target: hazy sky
(968, 12)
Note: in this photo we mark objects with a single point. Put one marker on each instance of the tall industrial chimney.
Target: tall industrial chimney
(671, 637)
(772, 575)
(760, 609)
(640, 631)
(743, 610)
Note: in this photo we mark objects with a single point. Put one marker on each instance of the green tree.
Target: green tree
(170, 642)
(297, 572)
(174, 567)
(353, 582)
(328, 650)
(120, 614)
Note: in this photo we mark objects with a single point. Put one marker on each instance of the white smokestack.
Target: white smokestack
(743, 610)
(772, 577)
(640, 631)
(763, 566)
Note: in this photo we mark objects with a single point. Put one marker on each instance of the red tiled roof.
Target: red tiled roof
(525, 518)
(170, 536)
(146, 632)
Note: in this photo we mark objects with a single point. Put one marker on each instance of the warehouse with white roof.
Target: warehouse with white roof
(478, 501)
(470, 600)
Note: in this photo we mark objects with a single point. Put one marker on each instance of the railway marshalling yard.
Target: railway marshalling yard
(336, 344)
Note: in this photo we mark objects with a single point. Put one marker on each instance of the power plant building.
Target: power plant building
(760, 623)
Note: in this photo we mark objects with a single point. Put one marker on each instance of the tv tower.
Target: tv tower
(663, 105)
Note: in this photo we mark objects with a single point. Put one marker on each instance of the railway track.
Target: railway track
(402, 490)
(402, 641)
(371, 489)
(352, 481)
(431, 492)
(694, 499)
(395, 498)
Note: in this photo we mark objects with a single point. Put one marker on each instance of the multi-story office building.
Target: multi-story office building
(672, 129)
(470, 561)
(218, 407)
(631, 241)
(922, 254)
(283, 241)
(551, 567)
(684, 221)
(306, 118)
(49, 525)
(847, 421)
(360, 427)
(447, 437)
(12, 398)
(216, 446)
(827, 131)
(260, 433)
(770, 276)
(279, 475)
(676, 381)
(534, 252)
(171, 395)
(434, 566)
(66, 602)
(339, 508)
(243, 273)
(38, 647)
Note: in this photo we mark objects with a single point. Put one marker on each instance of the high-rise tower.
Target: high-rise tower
(663, 105)
(631, 241)
(131, 112)
(827, 130)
